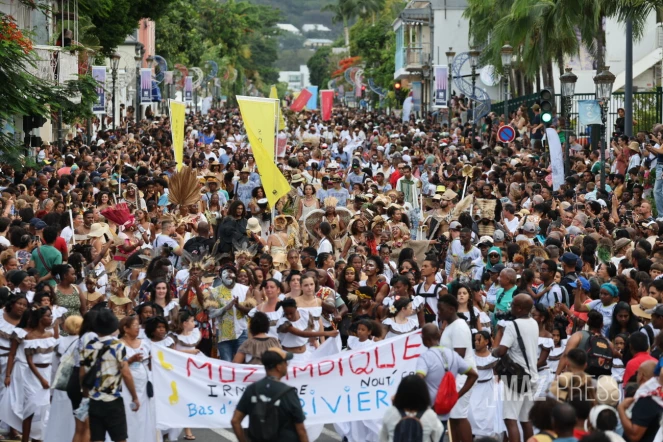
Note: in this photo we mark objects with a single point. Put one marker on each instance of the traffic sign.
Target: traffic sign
(506, 134)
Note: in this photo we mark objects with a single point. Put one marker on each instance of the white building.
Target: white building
(442, 23)
(315, 27)
(288, 28)
(313, 43)
(297, 80)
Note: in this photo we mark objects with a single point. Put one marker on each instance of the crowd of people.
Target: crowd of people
(546, 304)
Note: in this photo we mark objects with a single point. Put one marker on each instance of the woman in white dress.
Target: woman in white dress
(367, 430)
(559, 345)
(401, 319)
(9, 319)
(485, 414)
(61, 425)
(313, 306)
(294, 330)
(466, 308)
(156, 329)
(162, 296)
(618, 366)
(25, 405)
(141, 425)
(270, 306)
(542, 316)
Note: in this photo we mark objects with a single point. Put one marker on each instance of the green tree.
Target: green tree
(320, 67)
(115, 19)
(344, 12)
(178, 34)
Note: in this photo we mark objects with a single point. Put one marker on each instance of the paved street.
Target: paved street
(328, 435)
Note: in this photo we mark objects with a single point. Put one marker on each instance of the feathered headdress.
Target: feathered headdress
(330, 201)
(119, 214)
(183, 187)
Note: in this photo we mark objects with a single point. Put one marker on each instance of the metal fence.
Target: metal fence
(647, 109)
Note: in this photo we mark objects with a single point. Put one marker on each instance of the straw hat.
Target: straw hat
(297, 178)
(254, 225)
(97, 230)
(645, 308)
(634, 146)
(448, 195)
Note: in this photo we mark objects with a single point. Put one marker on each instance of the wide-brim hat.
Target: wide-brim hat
(449, 195)
(106, 323)
(97, 230)
(634, 146)
(645, 308)
(297, 178)
(212, 179)
(254, 225)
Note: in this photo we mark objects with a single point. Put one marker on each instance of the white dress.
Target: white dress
(618, 369)
(315, 314)
(288, 340)
(61, 425)
(187, 342)
(394, 329)
(273, 320)
(554, 357)
(141, 424)
(485, 414)
(367, 430)
(25, 396)
(546, 376)
(6, 332)
(167, 342)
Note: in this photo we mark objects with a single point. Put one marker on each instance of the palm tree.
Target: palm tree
(344, 11)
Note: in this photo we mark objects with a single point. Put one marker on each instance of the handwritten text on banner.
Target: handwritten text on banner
(197, 392)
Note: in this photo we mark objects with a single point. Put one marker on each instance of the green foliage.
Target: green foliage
(178, 34)
(364, 39)
(115, 19)
(84, 87)
(320, 67)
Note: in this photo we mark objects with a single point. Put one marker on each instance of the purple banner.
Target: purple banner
(99, 74)
(146, 85)
(441, 87)
(188, 89)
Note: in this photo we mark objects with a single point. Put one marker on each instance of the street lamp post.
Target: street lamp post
(603, 82)
(150, 62)
(474, 62)
(114, 62)
(138, 59)
(568, 80)
(507, 54)
(425, 73)
(450, 61)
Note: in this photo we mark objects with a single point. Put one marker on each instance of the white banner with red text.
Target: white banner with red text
(199, 392)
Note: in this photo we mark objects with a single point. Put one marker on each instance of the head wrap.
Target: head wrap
(611, 288)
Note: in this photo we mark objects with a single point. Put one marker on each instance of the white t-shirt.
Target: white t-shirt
(529, 330)
(605, 311)
(554, 295)
(512, 225)
(325, 246)
(458, 335)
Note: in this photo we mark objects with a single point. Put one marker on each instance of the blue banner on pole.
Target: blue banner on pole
(589, 112)
(313, 101)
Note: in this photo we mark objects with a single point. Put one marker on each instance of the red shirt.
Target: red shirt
(635, 363)
(61, 245)
(394, 178)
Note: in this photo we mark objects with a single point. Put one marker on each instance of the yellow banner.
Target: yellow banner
(274, 94)
(259, 115)
(177, 115)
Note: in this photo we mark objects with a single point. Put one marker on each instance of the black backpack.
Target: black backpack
(599, 355)
(409, 428)
(264, 422)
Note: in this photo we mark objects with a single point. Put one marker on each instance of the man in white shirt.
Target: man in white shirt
(169, 237)
(458, 336)
(511, 221)
(434, 363)
(508, 342)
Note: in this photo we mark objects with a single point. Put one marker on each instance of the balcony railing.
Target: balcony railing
(53, 63)
(416, 57)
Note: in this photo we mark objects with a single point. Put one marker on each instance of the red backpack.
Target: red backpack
(447, 395)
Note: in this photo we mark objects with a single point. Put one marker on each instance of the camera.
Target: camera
(504, 316)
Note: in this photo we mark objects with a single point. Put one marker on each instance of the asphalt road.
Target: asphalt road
(328, 435)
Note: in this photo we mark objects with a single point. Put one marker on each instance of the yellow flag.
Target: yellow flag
(259, 115)
(177, 112)
(274, 94)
